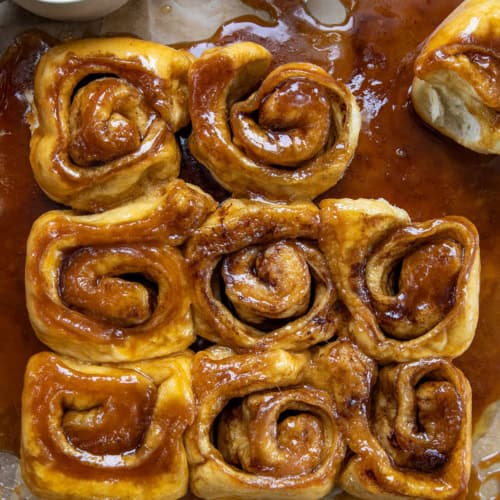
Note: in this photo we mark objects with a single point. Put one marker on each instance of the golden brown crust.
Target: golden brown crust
(262, 451)
(306, 134)
(106, 432)
(412, 288)
(97, 144)
(417, 444)
(259, 279)
(80, 296)
(456, 86)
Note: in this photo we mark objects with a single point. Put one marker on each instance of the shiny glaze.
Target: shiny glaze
(265, 155)
(400, 415)
(67, 139)
(425, 288)
(239, 232)
(116, 428)
(67, 307)
(93, 408)
(477, 39)
(228, 386)
(398, 158)
(429, 289)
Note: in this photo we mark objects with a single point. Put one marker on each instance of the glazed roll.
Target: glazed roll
(259, 279)
(412, 289)
(456, 89)
(259, 431)
(113, 286)
(416, 442)
(93, 431)
(104, 117)
(292, 138)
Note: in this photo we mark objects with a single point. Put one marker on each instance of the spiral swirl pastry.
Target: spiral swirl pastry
(293, 138)
(259, 279)
(105, 114)
(259, 431)
(417, 441)
(112, 286)
(106, 432)
(456, 89)
(412, 288)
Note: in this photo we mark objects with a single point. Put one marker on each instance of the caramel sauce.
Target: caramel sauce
(21, 201)
(398, 158)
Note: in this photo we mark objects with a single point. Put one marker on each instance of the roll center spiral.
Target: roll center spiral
(272, 282)
(293, 124)
(93, 281)
(418, 291)
(108, 119)
(109, 419)
(275, 434)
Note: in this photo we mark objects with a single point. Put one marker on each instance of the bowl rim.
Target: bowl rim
(64, 2)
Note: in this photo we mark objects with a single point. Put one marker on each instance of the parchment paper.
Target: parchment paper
(171, 21)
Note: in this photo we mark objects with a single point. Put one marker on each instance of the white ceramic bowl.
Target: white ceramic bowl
(71, 10)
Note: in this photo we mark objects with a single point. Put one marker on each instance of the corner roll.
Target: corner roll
(104, 117)
(92, 431)
(416, 443)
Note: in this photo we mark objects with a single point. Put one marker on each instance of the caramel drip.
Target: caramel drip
(485, 472)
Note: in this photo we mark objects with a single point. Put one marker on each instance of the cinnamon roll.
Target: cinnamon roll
(259, 431)
(104, 117)
(93, 431)
(291, 139)
(416, 443)
(259, 278)
(456, 89)
(112, 286)
(412, 288)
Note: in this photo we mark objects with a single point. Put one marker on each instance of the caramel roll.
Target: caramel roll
(259, 431)
(93, 431)
(412, 288)
(259, 279)
(416, 441)
(111, 286)
(456, 87)
(104, 117)
(293, 138)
